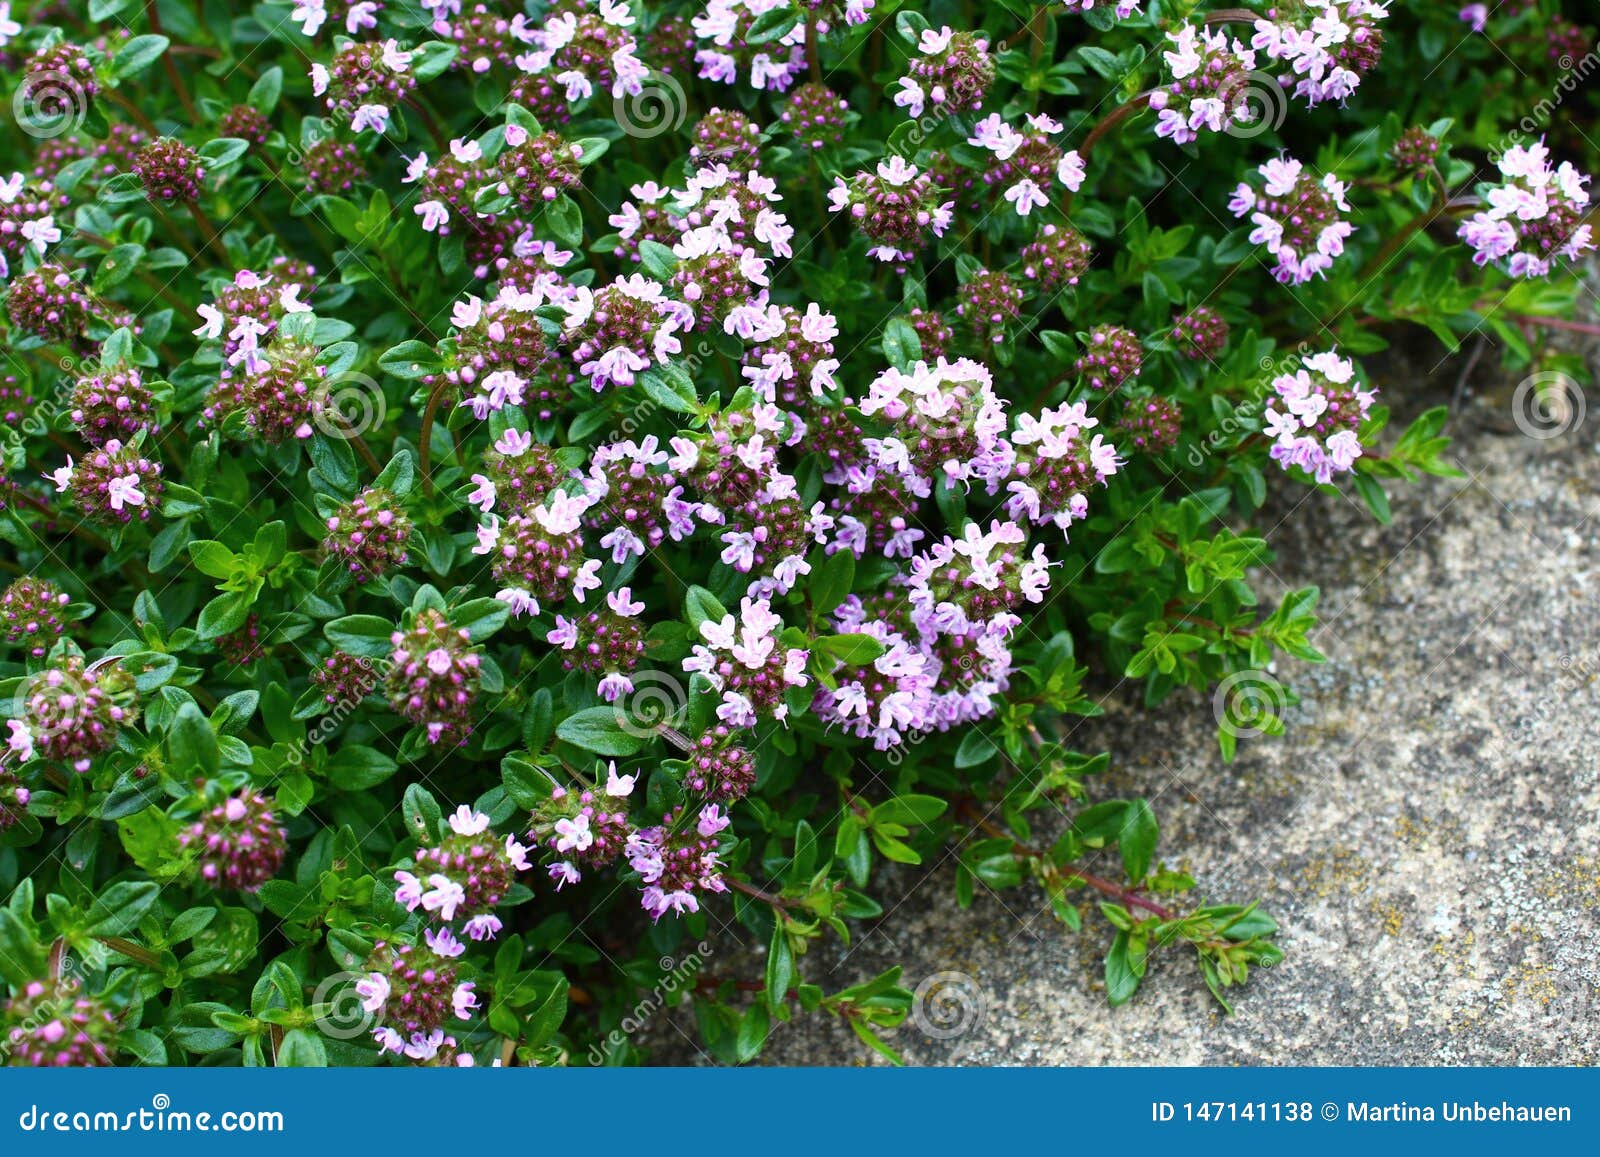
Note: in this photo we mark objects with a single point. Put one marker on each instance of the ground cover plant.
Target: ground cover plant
(509, 503)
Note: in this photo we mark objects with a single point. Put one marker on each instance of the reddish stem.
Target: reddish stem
(1112, 119)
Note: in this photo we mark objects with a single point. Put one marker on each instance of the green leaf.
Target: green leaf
(701, 606)
(365, 635)
(780, 973)
(1121, 980)
(117, 266)
(480, 618)
(901, 345)
(410, 360)
(566, 221)
(355, 768)
(137, 54)
(191, 744)
(222, 152)
(214, 559)
(670, 387)
(658, 261)
(264, 93)
(600, 730)
(851, 650)
(1137, 839)
(119, 907)
(423, 817)
(830, 582)
(774, 24)
(224, 614)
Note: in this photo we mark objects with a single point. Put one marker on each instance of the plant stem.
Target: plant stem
(132, 110)
(425, 438)
(1122, 895)
(206, 227)
(1112, 119)
(1232, 16)
(756, 893)
(1583, 327)
(154, 17)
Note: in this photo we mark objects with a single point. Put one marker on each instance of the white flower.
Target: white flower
(1025, 195)
(41, 233)
(123, 490)
(464, 821)
(310, 15)
(20, 741)
(396, 58)
(374, 991)
(618, 786)
(370, 116)
(573, 834)
(62, 476)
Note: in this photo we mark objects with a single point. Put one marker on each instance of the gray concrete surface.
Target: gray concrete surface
(1427, 834)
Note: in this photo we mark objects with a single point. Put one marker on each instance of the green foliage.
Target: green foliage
(250, 634)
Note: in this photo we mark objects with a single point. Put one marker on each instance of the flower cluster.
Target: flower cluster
(238, 844)
(1210, 75)
(27, 219)
(896, 206)
(727, 54)
(113, 405)
(1297, 216)
(1328, 44)
(1027, 163)
(747, 664)
(51, 1025)
(364, 82)
(416, 990)
(464, 876)
(73, 713)
(433, 677)
(31, 612)
(717, 444)
(114, 483)
(1534, 216)
(1057, 462)
(1315, 420)
(952, 71)
(368, 534)
(169, 170)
